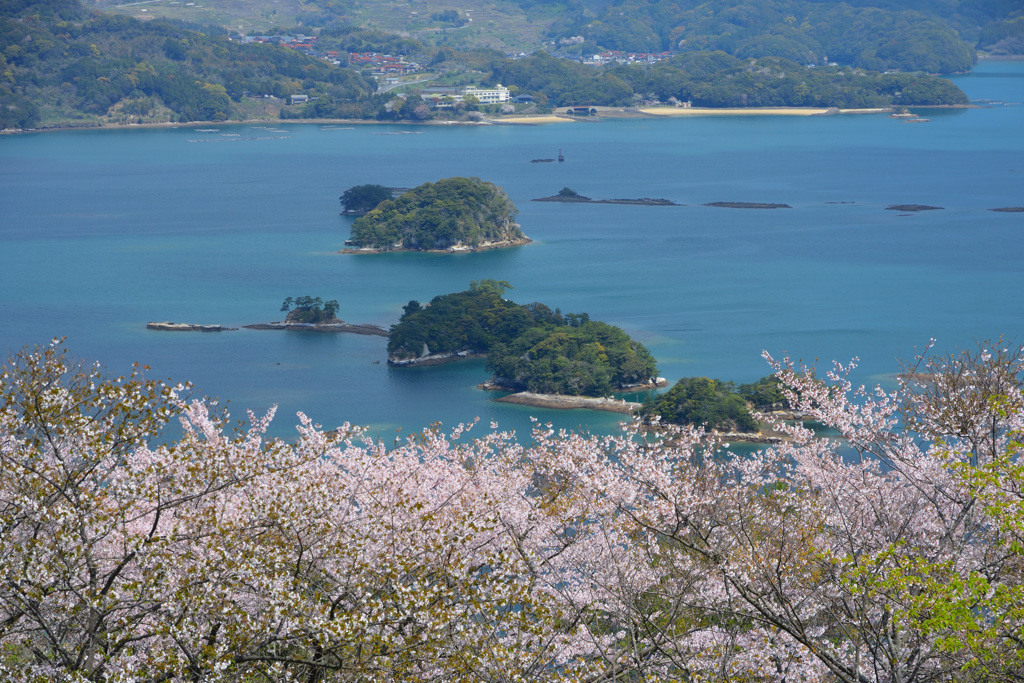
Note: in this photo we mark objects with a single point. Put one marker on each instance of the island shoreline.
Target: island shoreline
(365, 329)
(456, 249)
(538, 119)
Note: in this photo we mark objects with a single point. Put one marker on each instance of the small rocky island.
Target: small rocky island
(570, 196)
(748, 205)
(539, 353)
(912, 207)
(168, 326)
(310, 314)
(451, 215)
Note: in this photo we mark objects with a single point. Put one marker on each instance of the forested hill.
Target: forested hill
(936, 36)
(62, 63)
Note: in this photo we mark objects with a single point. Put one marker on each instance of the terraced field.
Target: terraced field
(493, 23)
(237, 15)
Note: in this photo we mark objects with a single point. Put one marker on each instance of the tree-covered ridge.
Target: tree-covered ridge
(716, 79)
(528, 347)
(803, 31)
(466, 212)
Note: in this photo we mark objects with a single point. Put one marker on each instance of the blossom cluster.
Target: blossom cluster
(891, 553)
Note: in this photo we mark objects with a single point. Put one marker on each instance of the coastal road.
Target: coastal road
(399, 85)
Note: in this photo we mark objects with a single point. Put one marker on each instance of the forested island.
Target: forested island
(714, 404)
(453, 214)
(528, 347)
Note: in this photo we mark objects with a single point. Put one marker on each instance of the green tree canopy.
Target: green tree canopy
(705, 402)
(309, 309)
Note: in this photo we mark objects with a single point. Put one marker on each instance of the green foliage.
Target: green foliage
(449, 16)
(344, 37)
(718, 79)
(705, 402)
(562, 82)
(763, 395)
(1003, 37)
(364, 198)
(491, 286)
(465, 321)
(452, 211)
(591, 358)
(310, 309)
(528, 347)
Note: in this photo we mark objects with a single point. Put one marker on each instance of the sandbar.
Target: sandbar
(560, 402)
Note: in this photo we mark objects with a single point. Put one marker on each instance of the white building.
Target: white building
(495, 95)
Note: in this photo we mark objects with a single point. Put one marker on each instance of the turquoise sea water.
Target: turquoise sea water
(102, 231)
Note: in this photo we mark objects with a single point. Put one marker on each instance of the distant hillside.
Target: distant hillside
(936, 36)
(926, 30)
(62, 64)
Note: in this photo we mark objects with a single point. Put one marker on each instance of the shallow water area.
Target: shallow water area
(106, 230)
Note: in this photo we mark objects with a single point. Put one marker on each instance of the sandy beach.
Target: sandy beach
(753, 111)
(530, 119)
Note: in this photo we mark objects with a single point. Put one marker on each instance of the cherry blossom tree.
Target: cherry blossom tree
(129, 554)
(141, 539)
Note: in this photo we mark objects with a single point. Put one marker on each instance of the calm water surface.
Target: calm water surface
(102, 231)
